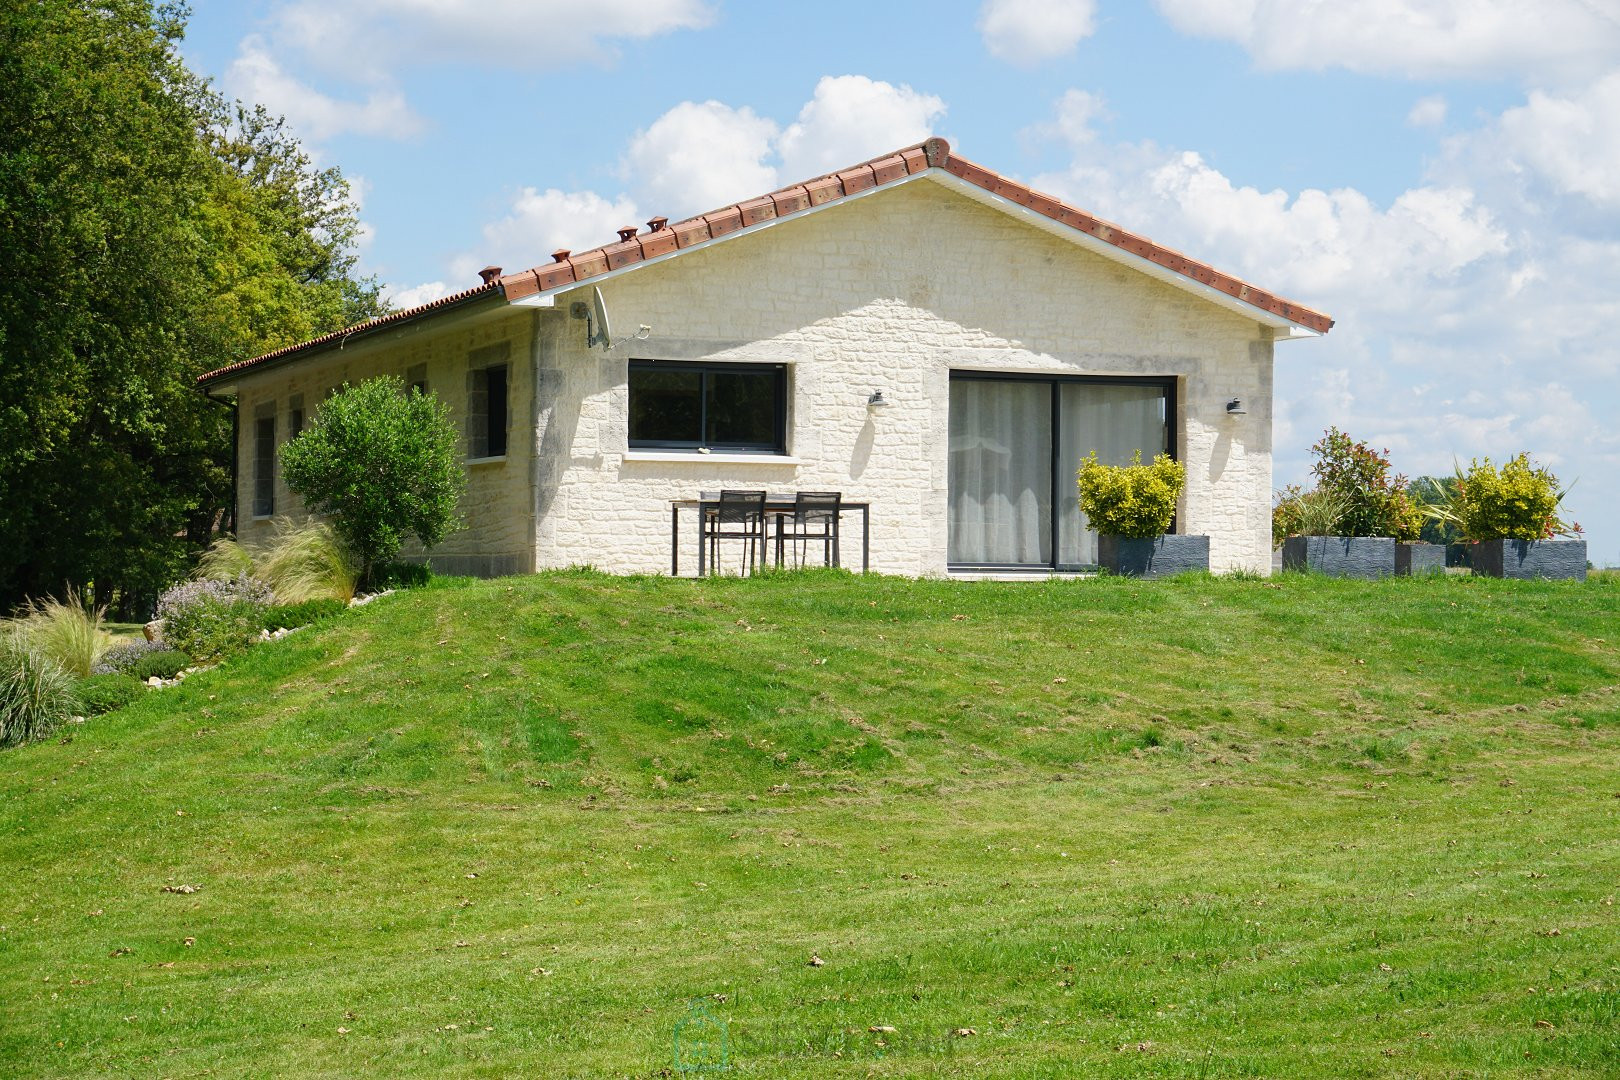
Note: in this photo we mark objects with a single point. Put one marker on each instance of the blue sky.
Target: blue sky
(1442, 176)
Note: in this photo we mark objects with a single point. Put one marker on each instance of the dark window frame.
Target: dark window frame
(1170, 385)
(264, 465)
(489, 413)
(777, 447)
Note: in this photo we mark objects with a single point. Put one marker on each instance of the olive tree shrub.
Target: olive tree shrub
(381, 463)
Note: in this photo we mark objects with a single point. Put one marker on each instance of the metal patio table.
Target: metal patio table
(777, 505)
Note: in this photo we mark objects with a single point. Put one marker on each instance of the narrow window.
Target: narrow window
(264, 466)
(487, 414)
(496, 446)
(295, 415)
(416, 378)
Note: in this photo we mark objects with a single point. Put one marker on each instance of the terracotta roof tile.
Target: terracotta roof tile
(664, 238)
(492, 288)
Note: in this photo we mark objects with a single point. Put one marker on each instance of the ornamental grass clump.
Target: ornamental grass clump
(66, 631)
(1134, 501)
(301, 561)
(1306, 513)
(36, 695)
(213, 618)
(1518, 501)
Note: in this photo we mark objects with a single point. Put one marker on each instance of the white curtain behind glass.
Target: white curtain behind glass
(1000, 472)
(1115, 421)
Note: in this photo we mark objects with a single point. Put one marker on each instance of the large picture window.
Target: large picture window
(1015, 446)
(729, 407)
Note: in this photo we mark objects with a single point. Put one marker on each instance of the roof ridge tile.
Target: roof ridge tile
(933, 153)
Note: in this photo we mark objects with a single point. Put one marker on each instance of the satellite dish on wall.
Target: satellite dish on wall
(598, 331)
(601, 333)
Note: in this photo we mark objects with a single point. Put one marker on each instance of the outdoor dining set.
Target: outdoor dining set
(760, 525)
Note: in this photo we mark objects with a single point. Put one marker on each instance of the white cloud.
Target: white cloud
(1027, 32)
(371, 44)
(851, 118)
(1473, 319)
(702, 155)
(698, 156)
(378, 38)
(1572, 141)
(1428, 112)
(256, 76)
(1311, 243)
(540, 221)
(417, 295)
(1553, 39)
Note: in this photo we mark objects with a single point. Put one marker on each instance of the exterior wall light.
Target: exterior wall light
(1235, 407)
(877, 400)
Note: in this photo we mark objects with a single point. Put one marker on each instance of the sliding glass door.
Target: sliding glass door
(1015, 445)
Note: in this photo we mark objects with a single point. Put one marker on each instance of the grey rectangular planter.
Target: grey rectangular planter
(1524, 559)
(1415, 560)
(1341, 556)
(1159, 557)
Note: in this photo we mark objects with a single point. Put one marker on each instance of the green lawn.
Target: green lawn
(1222, 828)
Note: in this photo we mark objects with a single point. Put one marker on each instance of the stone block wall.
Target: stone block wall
(499, 533)
(889, 292)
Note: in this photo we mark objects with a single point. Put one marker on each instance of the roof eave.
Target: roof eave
(491, 296)
(1282, 327)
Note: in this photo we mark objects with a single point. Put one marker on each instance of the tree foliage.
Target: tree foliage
(149, 232)
(383, 463)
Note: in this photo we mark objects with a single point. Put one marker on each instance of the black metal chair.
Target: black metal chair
(744, 512)
(815, 520)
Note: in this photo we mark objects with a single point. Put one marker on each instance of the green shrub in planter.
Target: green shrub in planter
(104, 693)
(1135, 501)
(1519, 501)
(1306, 513)
(36, 695)
(1510, 518)
(1374, 502)
(165, 664)
(292, 616)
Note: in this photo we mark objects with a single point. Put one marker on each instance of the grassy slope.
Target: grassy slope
(1218, 828)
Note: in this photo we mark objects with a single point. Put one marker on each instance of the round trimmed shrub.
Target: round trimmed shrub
(292, 616)
(105, 693)
(124, 655)
(164, 664)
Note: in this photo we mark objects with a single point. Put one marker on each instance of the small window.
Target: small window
(738, 407)
(264, 466)
(295, 415)
(487, 412)
(416, 378)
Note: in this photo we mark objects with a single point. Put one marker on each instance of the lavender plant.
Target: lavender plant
(210, 618)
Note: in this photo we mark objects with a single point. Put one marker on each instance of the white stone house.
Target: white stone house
(1010, 334)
